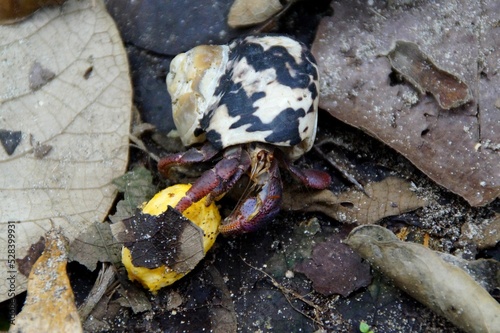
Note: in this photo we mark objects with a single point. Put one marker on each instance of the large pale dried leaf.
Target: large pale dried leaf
(419, 271)
(83, 114)
(456, 148)
(50, 303)
(391, 196)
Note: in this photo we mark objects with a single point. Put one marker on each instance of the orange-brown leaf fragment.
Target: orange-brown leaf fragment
(417, 68)
(12, 11)
(50, 304)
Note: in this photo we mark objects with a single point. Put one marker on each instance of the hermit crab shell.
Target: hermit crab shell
(260, 88)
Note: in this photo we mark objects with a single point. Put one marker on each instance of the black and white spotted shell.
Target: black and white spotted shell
(261, 88)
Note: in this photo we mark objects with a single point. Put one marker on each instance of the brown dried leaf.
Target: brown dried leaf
(85, 121)
(50, 303)
(334, 268)
(420, 272)
(456, 149)
(12, 11)
(245, 13)
(418, 69)
(95, 244)
(484, 235)
(391, 196)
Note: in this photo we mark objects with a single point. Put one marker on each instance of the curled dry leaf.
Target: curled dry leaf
(245, 13)
(391, 196)
(12, 11)
(420, 272)
(418, 69)
(84, 121)
(455, 149)
(50, 303)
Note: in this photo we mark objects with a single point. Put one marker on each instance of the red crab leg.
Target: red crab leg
(255, 210)
(309, 177)
(193, 155)
(212, 183)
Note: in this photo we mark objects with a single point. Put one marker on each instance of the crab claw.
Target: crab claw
(254, 210)
(193, 155)
(218, 180)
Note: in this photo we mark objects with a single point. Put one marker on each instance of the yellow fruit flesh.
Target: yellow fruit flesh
(207, 218)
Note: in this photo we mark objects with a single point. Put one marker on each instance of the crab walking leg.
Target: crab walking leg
(312, 178)
(193, 155)
(253, 211)
(218, 180)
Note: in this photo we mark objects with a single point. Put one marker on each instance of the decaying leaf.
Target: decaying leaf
(420, 272)
(168, 239)
(335, 269)
(486, 272)
(50, 303)
(12, 11)
(358, 86)
(95, 244)
(418, 69)
(85, 121)
(484, 235)
(137, 187)
(25, 264)
(391, 196)
(245, 13)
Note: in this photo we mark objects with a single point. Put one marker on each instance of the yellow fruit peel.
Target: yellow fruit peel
(206, 217)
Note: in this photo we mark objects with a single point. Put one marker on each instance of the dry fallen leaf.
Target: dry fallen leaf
(417, 68)
(84, 118)
(245, 13)
(456, 148)
(334, 268)
(12, 11)
(391, 196)
(50, 303)
(420, 272)
(483, 235)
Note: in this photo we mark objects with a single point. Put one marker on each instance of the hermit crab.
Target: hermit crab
(253, 105)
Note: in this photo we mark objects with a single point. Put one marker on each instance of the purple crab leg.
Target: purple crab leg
(254, 210)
